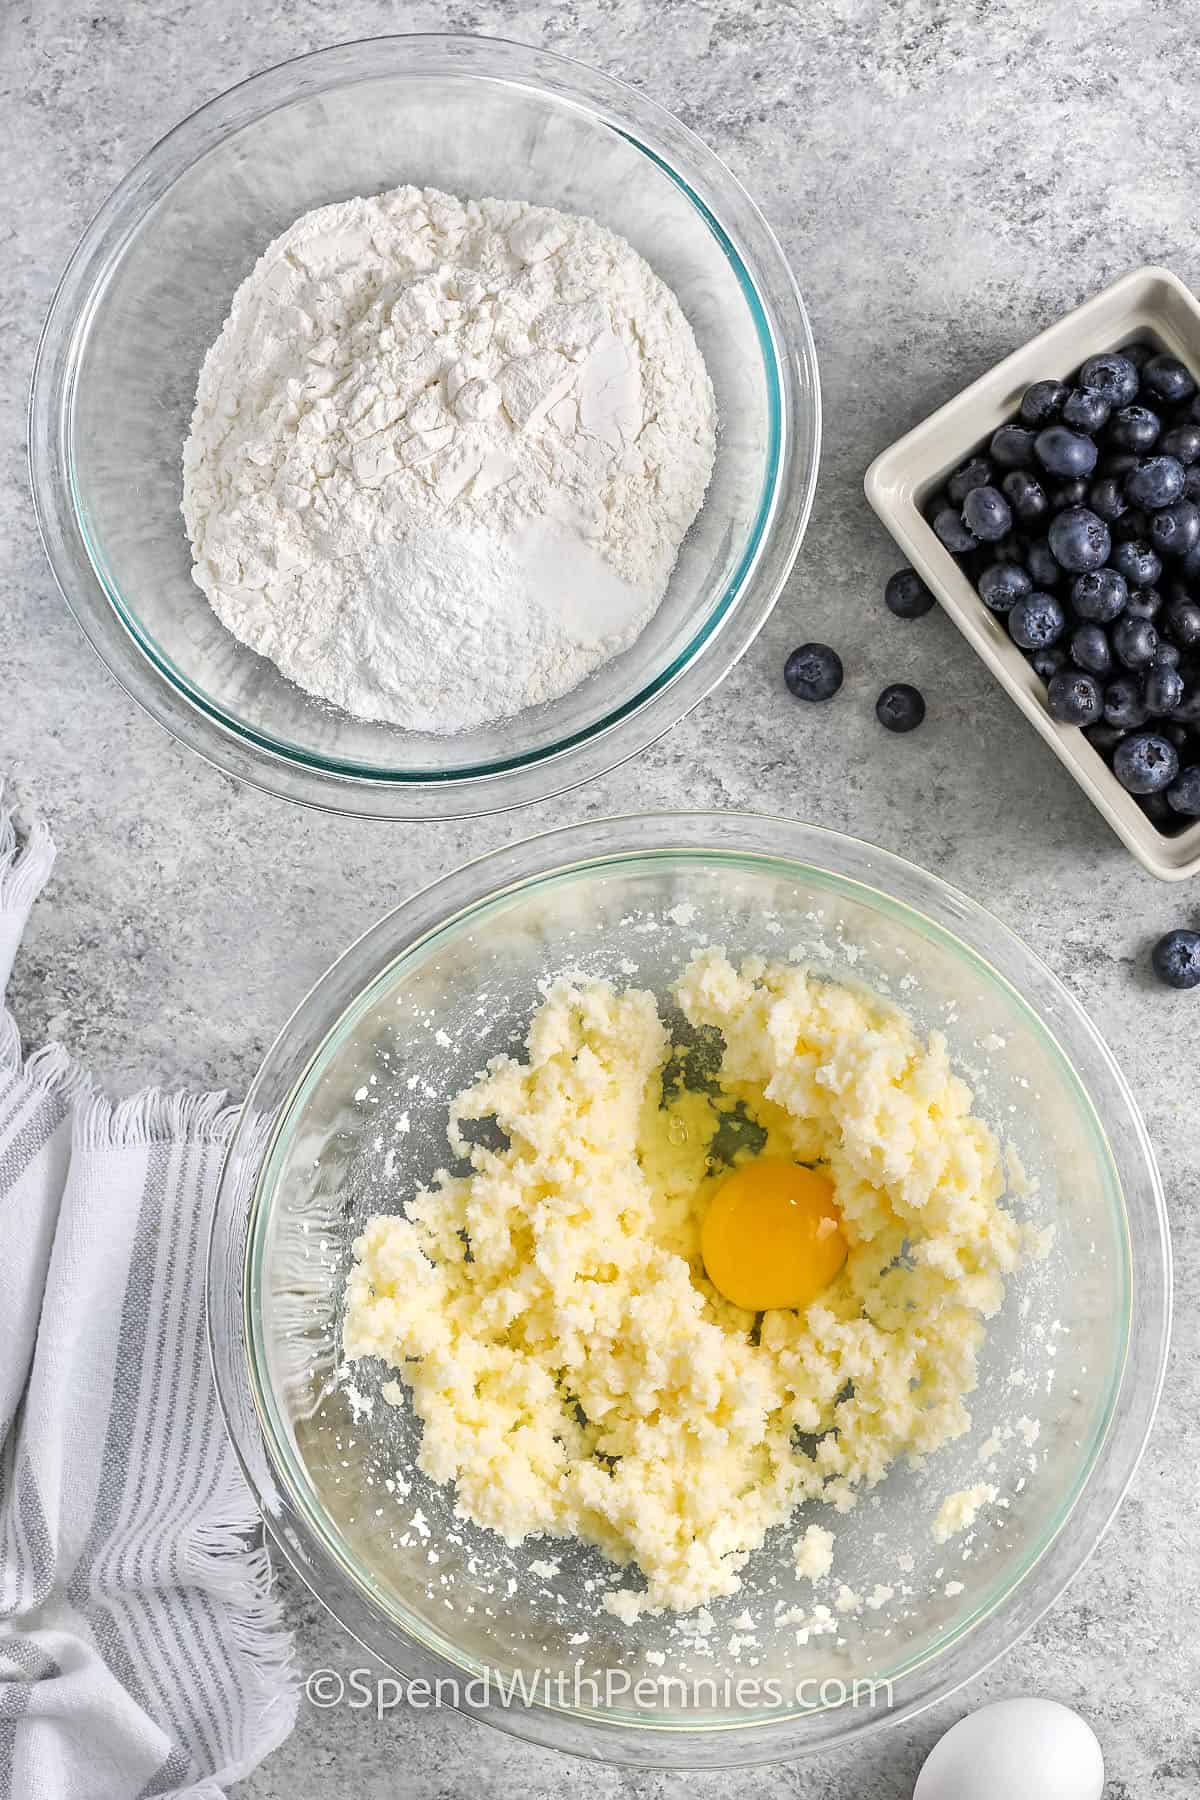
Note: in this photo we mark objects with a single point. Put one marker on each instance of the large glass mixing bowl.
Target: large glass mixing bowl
(348, 1115)
(150, 284)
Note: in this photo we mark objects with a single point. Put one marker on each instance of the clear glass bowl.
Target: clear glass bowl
(150, 284)
(349, 1112)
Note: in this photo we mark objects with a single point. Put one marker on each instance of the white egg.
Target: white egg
(1033, 1748)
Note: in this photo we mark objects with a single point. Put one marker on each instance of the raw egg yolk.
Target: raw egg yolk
(772, 1235)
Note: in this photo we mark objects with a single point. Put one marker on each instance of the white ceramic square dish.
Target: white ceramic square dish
(1148, 305)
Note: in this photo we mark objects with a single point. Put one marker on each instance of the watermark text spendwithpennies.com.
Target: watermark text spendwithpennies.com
(364, 1690)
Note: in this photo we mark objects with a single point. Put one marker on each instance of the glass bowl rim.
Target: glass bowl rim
(784, 503)
(1118, 1441)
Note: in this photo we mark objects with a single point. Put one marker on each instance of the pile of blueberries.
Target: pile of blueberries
(1080, 524)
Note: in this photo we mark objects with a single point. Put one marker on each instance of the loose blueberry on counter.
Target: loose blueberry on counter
(1166, 377)
(1124, 707)
(1039, 560)
(1106, 498)
(1137, 562)
(987, 514)
(900, 707)
(813, 672)
(1079, 541)
(1157, 481)
(1134, 428)
(1175, 959)
(1162, 689)
(1091, 649)
(953, 533)
(1061, 452)
(1176, 529)
(1073, 698)
(1027, 497)
(1043, 402)
(1184, 792)
(1134, 641)
(1145, 763)
(1012, 447)
(1183, 443)
(1085, 409)
(906, 595)
(1101, 595)
(1114, 375)
(1036, 621)
(1002, 584)
(976, 472)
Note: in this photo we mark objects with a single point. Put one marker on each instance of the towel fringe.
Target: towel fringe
(50, 1071)
(25, 862)
(155, 1117)
(223, 1558)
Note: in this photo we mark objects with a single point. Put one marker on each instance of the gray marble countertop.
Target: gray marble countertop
(946, 176)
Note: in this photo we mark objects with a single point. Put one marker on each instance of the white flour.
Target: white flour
(443, 455)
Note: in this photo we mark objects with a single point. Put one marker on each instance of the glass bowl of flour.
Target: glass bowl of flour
(424, 426)
(840, 1621)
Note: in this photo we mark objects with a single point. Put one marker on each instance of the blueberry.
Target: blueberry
(1106, 498)
(1162, 689)
(1144, 603)
(1062, 452)
(906, 595)
(1101, 595)
(1145, 763)
(1188, 709)
(1113, 375)
(953, 533)
(1026, 496)
(1085, 409)
(1189, 569)
(1167, 654)
(1117, 463)
(1176, 529)
(1157, 481)
(975, 472)
(1002, 584)
(1166, 377)
(1036, 621)
(1073, 698)
(1137, 562)
(1068, 493)
(1182, 623)
(1042, 567)
(1079, 541)
(813, 672)
(1191, 487)
(1043, 402)
(1184, 792)
(1047, 663)
(1091, 650)
(987, 514)
(1155, 807)
(1138, 354)
(900, 707)
(1135, 428)
(1175, 959)
(1183, 443)
(1012, 447)
(1134, 641)
(1104, 737)
(1123, 704)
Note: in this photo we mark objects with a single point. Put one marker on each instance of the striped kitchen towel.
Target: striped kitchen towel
(141, 1649)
